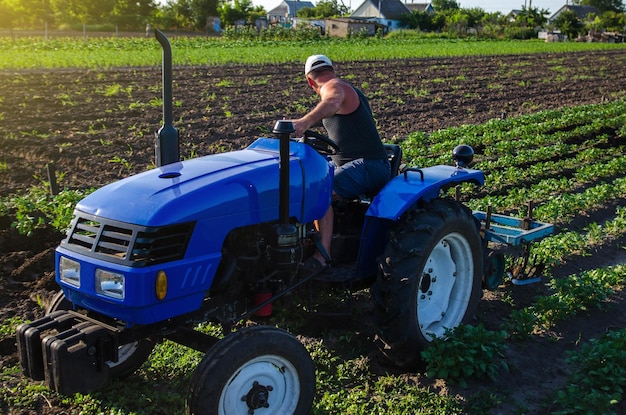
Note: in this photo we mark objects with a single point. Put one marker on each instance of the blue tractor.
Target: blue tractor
(221, 238)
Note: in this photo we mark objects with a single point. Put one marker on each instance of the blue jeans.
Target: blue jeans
(361, 176)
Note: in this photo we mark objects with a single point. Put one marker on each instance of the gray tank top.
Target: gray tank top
(355, 134)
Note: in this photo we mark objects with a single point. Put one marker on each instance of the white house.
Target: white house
(385, 12)
(287, 10)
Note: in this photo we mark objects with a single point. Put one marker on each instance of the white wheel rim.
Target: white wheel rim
(265, 371)
(445, 286)
(124, 352)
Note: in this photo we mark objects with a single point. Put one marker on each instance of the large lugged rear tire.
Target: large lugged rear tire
(429, 279)
(256, 370)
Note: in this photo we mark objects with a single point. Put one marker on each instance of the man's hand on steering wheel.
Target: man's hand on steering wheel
(320, 143)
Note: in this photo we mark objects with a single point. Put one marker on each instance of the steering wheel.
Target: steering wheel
(320, 143)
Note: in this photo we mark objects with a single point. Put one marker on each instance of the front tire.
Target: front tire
(429, 280)
(256, 370)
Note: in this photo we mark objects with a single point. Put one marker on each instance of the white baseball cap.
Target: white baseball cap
(316, 61)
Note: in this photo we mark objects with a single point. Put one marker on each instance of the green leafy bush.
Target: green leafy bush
(467, 351)
(599, 380)
(571, 295)
(38, 209)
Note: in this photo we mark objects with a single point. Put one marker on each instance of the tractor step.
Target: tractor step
(68, 350)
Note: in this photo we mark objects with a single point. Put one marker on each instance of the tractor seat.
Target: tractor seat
(394, 153)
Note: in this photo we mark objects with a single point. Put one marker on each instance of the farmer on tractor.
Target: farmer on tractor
(361, 162)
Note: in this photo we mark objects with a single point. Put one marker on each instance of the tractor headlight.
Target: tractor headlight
(69, 271)
(110, 284)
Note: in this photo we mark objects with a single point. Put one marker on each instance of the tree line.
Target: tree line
(195, 15)
(523, 24)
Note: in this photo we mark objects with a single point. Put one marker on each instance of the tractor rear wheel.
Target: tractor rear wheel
(255, 370)
(429, 279)
(130, 356)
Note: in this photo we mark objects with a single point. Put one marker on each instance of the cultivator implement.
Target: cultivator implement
(511, 236)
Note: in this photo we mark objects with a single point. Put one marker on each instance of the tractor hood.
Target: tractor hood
(242, 184)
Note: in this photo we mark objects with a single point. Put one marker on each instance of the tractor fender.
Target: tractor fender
(404, 190)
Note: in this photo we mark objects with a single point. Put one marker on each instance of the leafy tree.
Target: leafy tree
(611, 21)
(459, 20)
(324, 8)
(439, 21)
(230, 13)
(417, 20)
(82, 11)
(603, 5)
(308, 13)
(132, 14)
(192, 14)
(201, 9)
(33, 13)
(492, 25)
(256, 12)
(526, 23)
(568, 23)
(532, 17)
(607, 21)
(442, 5)
(168, 16)
(475, 16)
(8, 14)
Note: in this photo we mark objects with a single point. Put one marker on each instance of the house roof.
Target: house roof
(420, 7)
(388, 9)
(288, 7)
(581, 11)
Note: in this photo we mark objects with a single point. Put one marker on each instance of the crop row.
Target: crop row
(552, 191)
(550, 158)
(21, 53)
(502, 177)
(506, 137)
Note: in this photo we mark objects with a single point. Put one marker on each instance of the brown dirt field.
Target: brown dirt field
(98, 127)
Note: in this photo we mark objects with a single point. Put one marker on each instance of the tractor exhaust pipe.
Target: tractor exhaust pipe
(283, 129)
(166, 139)
(285, 252)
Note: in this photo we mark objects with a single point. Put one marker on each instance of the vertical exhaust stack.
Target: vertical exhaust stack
(286, 252)
(166, 139)
(283, 129)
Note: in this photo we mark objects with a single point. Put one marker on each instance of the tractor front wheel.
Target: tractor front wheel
(256, 370)
(429, 280)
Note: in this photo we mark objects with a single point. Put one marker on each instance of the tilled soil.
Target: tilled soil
(98, 126)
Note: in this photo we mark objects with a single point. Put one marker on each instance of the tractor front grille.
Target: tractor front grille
(127, 244)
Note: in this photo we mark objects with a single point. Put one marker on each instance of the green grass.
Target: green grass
(31, 53)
